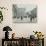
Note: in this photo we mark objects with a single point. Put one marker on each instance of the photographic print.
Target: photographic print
(24, 13)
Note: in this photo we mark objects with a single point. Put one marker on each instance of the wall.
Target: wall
(23, 29)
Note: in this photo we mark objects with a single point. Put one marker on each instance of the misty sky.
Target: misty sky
(28, 7)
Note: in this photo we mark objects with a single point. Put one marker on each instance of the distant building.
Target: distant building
(20, 12)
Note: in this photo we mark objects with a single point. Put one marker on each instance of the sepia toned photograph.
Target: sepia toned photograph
(24, 13)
